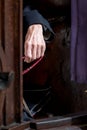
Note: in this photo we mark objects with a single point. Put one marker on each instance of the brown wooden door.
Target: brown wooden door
(10, 60)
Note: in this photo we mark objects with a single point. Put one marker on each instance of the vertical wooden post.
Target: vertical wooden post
(10, 59)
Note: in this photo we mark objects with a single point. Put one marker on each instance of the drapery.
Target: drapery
(78, 41)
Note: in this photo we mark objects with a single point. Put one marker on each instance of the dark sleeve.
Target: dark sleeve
(32, 16)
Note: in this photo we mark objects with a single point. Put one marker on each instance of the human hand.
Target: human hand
(34, 46)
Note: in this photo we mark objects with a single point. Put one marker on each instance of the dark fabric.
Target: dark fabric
(32, 16)
(78, 35)
(50, 8)
(79, 41)
(26, 116)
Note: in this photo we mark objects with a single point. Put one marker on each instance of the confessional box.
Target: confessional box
(67, 108)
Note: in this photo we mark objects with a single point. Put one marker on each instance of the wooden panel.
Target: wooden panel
(77, 121)
(2, 57)
(10, 59)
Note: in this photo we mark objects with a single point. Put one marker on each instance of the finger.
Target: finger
(25, 48)
(34, 51)
(43, 48)
(28, 53)
(27, 60)
(38, 53)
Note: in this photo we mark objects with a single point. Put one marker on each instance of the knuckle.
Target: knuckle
(43, 46)
(29, 55)
(27, 42)
(33, 45)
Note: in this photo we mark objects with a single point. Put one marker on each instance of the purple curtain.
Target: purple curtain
(79, 41)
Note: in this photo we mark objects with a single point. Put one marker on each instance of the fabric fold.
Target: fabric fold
(79, 41)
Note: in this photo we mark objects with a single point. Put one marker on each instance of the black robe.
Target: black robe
(31, 15)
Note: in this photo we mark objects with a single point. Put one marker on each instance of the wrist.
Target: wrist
(35, 26)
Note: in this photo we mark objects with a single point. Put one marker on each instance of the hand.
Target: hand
(34, 46)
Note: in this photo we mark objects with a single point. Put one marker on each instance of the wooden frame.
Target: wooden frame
(10, 60)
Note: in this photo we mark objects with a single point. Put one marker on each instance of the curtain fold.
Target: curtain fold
(79, 41)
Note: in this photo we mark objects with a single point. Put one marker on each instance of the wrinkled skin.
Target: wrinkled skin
(34, 46)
